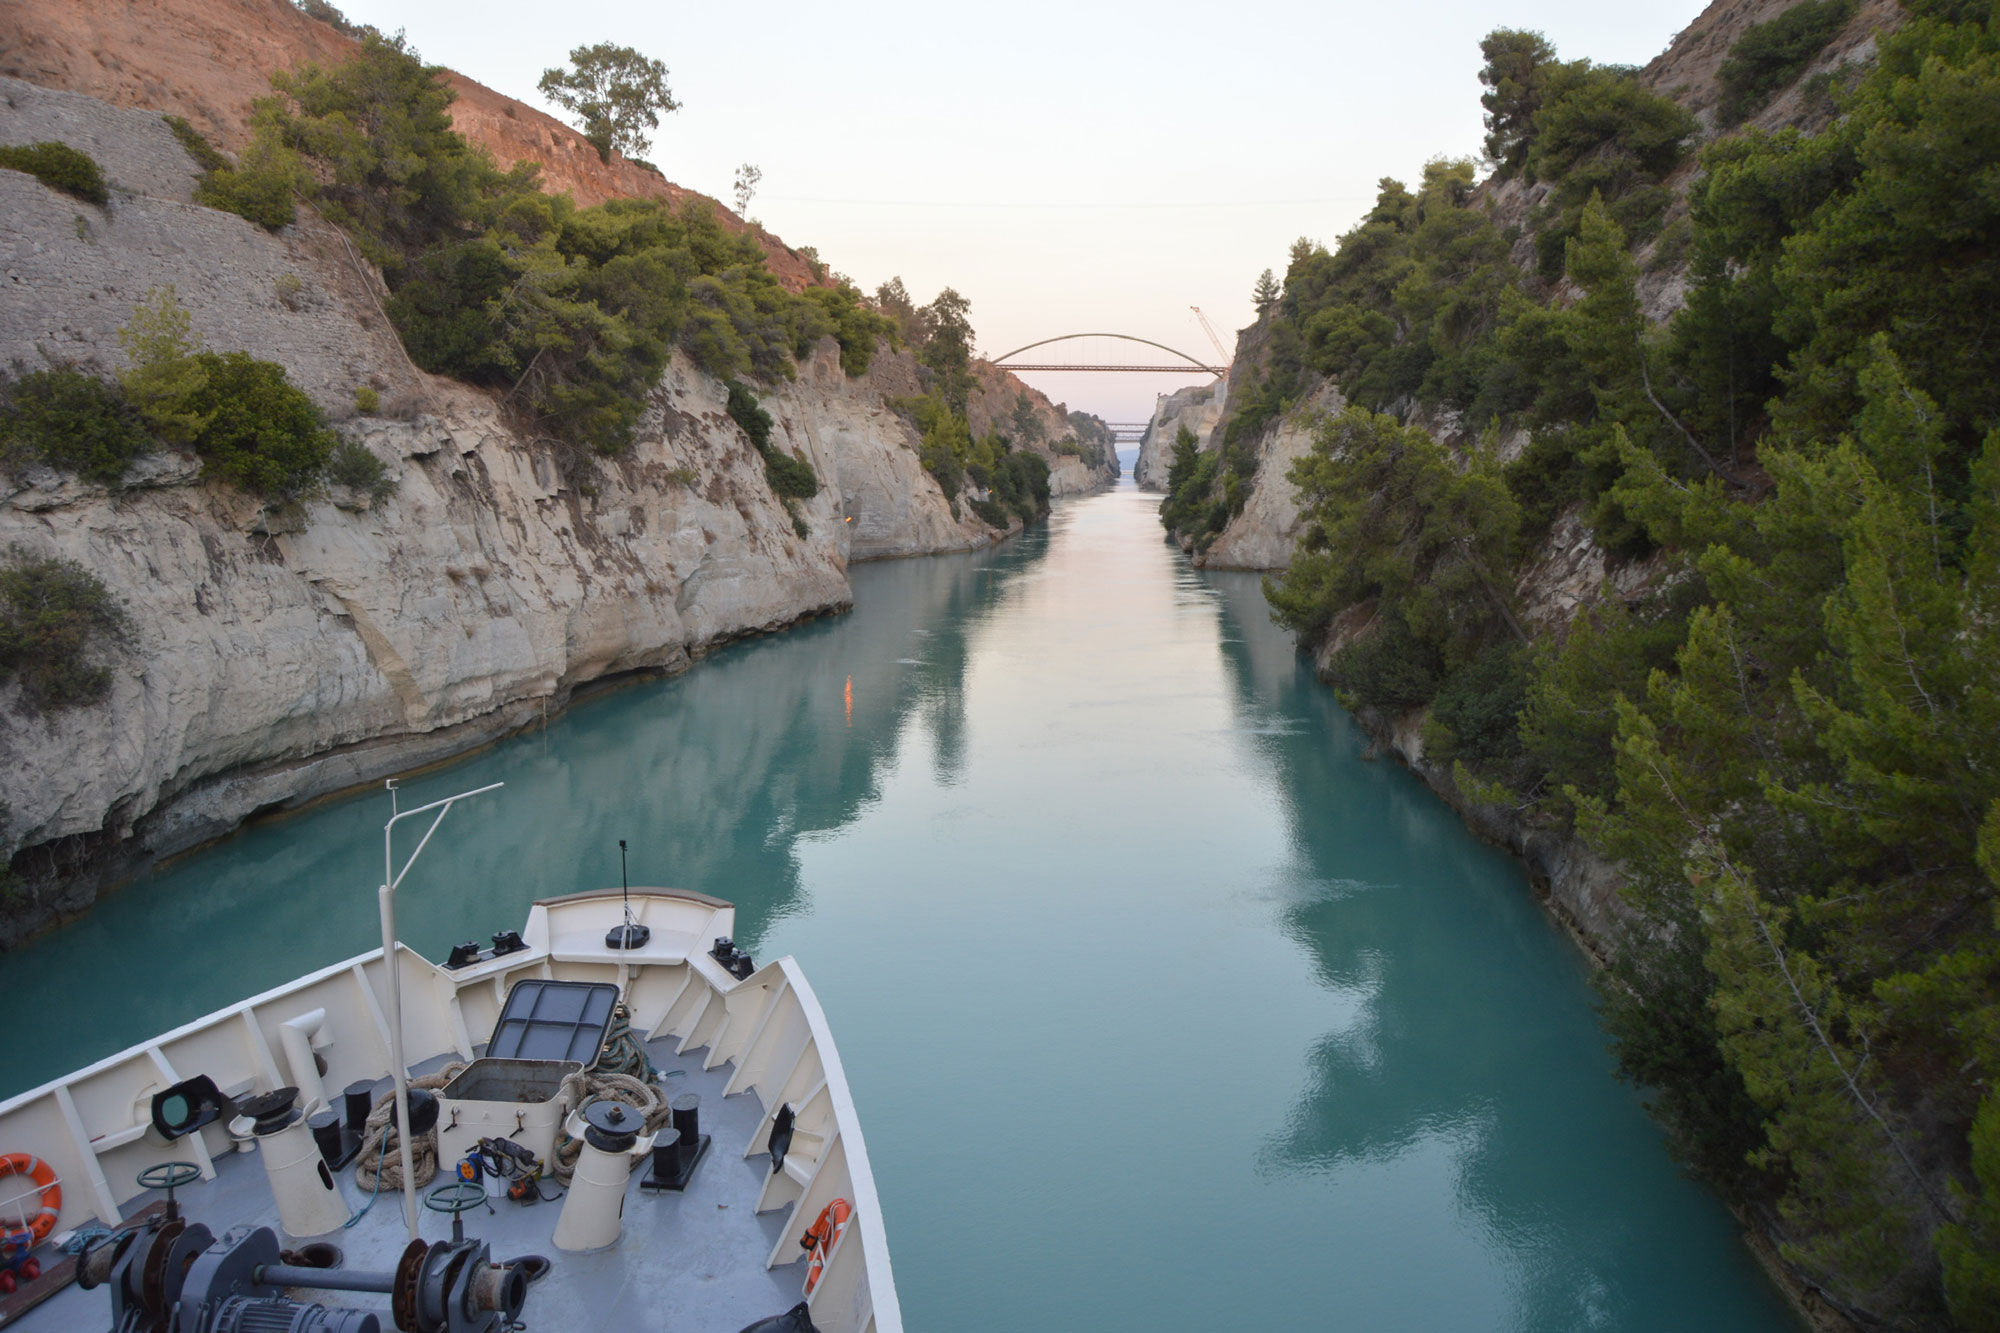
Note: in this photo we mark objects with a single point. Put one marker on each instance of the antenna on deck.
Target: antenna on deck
(631, 935)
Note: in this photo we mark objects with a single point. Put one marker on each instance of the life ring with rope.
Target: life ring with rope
(820, 1237)
(44, 1176)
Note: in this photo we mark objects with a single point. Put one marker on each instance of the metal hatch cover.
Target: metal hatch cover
(553, 1020)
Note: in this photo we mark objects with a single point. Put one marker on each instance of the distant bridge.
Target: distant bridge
(1004, 362)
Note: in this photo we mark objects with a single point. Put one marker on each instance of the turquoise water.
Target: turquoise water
(1163, 1008)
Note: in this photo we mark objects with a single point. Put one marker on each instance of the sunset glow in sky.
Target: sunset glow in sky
(1066, 166)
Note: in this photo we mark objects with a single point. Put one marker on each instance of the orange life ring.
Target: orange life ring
(44, 1176)
(820, 1236)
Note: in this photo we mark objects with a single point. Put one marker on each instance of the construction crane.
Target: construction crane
(1221, 356)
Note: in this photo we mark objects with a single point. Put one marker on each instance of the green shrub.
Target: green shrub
(366, 400)
(1599, 130)
(56, 621)
(945, 439)
(59, 167)
(991, 514)
(254, 427)
(790, 476)
(1479, 706)
(263, 189)
(73, 421)
(329, 14)
(746, 412)
(1190, 478)
(1388, 667)
(196, 143)
(1022, 480)
(262, 433)
(572, 312)
(162, 377)
(353, 465)
(857, 327)
(1770, 55)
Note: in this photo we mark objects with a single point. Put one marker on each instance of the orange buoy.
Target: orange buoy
(44, 1176)
(820, 1236)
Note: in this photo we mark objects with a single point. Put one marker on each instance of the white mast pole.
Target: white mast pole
(386, 896)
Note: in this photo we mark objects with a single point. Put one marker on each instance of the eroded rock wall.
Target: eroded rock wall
(1199, 408)
(1263, 534)
(280, 653)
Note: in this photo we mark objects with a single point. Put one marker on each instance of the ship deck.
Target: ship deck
(690, 1262)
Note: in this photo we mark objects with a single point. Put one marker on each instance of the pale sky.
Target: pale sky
(1068, 167)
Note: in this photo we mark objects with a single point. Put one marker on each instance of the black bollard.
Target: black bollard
(687, 1120)
(678, 1146)
(666, 1160)
(325, 1126)
(360, 1100)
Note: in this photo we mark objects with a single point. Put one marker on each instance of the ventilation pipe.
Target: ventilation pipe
(300, 1037)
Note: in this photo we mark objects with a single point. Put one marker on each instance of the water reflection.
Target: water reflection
(1460, 1057)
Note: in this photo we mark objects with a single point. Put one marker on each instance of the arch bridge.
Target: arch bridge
(1005, 360)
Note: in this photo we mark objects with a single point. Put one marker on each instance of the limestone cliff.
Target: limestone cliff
(1000, 402)
(1199, 409)
(279, 654)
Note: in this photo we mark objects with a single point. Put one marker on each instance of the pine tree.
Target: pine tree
(1266, 293)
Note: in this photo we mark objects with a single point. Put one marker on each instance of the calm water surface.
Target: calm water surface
(1163, 1008)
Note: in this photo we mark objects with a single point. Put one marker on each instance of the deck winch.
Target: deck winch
(175, 1277)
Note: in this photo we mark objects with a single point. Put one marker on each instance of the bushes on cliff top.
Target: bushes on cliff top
(57, 622)
(572, 312)
(1421, 305)
(59, 167)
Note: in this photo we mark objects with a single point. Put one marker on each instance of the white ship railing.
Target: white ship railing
(93, 1126)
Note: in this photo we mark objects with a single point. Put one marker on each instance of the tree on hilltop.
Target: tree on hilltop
(615, 92)
(1514, 74)
(747, 179)
(1267, 291)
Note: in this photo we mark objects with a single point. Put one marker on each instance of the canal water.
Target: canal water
(1163, 1007)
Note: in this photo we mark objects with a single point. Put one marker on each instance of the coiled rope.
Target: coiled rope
(379, 1166)
(621, 1073)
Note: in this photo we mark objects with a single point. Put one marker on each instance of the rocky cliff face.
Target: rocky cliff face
(1262, 536)
(1198, 408)
(996, 404)
(276, 655)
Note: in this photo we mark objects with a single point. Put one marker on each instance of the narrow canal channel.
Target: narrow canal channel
(1163, 1008)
